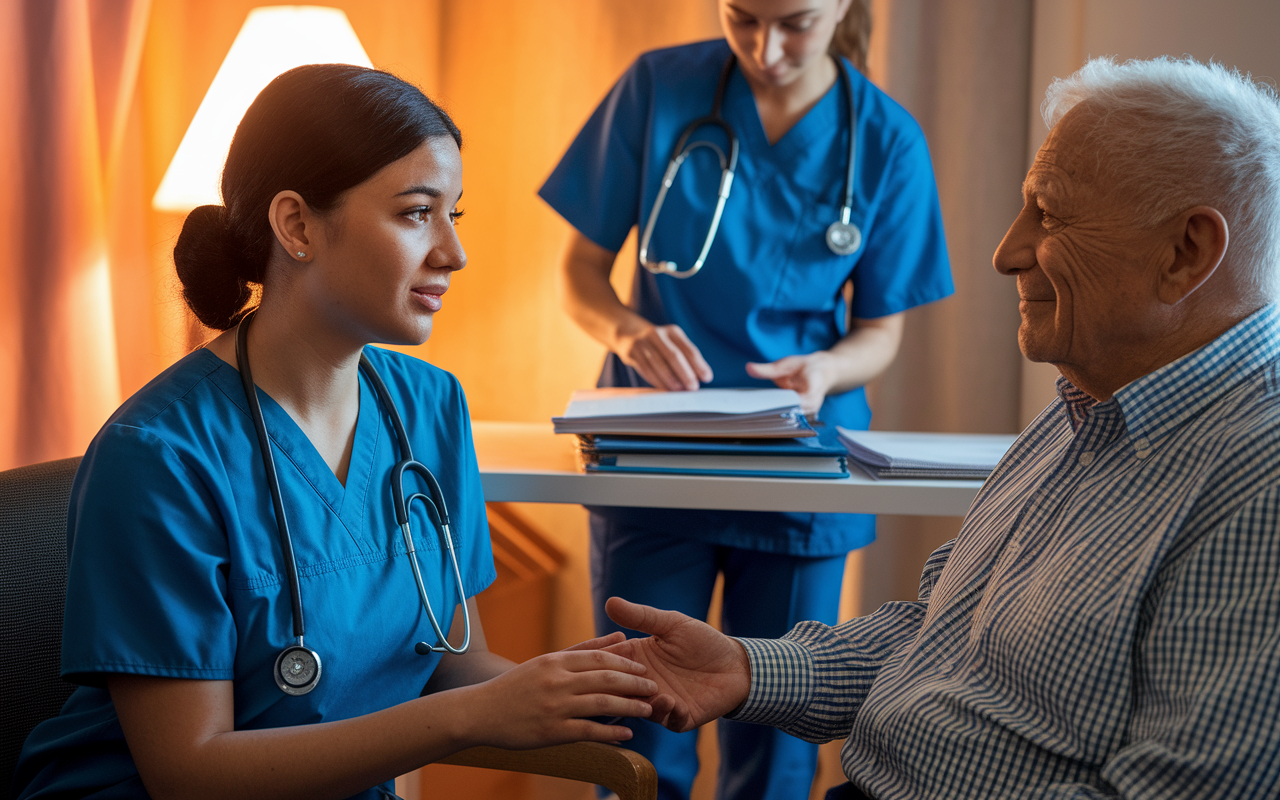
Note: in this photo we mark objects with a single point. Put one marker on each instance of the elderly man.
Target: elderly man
(1107, 621)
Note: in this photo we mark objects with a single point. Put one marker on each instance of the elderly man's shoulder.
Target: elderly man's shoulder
(1238, 437)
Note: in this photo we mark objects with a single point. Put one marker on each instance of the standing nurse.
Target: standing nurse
(766, 307)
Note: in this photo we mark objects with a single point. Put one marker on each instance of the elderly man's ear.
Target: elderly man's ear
(1198, 237)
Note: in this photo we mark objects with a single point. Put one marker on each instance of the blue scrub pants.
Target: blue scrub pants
(765, 595)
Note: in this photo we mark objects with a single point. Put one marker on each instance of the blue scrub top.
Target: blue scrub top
(770, 286)
(176, 569)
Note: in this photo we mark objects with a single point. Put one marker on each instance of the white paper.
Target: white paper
(971, 450)
(624, 402)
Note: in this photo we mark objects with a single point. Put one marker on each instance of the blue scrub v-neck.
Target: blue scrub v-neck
(740, 104)
(347, 502)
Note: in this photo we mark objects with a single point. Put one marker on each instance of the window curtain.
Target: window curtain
(962, 68)
(69, 68)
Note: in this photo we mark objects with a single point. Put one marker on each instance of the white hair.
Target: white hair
(1176, 133)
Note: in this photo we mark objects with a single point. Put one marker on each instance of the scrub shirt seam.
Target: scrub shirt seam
(150, 669)
(178, 398)
(327, 567)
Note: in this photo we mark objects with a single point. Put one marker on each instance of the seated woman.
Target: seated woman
(198, 673)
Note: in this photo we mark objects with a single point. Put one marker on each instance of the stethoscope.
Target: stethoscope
(298, 667)
(843, 237)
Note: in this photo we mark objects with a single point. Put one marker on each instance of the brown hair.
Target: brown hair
(853, 34)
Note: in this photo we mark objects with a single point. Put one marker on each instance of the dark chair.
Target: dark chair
(33, 581)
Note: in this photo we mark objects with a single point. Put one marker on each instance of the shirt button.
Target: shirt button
(1086, 458)
(1141, 444)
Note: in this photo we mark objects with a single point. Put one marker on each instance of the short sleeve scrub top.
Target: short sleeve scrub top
(176, 569)
(770, 286)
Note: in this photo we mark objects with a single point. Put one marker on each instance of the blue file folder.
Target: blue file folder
(820, 456)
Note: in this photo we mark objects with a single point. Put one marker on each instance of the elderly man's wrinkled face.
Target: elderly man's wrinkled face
(1086, 273)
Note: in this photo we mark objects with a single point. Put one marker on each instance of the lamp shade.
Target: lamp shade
(274, 39)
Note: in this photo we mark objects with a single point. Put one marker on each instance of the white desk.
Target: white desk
(525, 462)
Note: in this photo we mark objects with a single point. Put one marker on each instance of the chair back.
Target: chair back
(33, 587)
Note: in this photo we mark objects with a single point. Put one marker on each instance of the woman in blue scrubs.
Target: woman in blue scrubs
(341, 192)
(768, 307)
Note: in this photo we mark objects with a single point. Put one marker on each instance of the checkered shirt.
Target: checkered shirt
(1106, 623)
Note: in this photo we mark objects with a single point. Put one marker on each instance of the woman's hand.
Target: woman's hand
(701, 674)
(664, 356)
(811, 376)
(863, 353)
(546, 700)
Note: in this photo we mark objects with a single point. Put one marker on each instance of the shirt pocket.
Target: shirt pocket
(812, 275)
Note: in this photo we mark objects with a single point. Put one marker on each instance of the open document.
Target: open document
(895, 454)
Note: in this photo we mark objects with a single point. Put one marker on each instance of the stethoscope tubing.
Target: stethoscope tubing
(298, 661)
(843, 237)
(269, 465)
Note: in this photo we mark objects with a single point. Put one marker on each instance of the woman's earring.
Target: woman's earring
(301, 254)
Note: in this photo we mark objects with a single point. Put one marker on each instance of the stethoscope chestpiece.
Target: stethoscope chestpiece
(297, 669)
(843, 238)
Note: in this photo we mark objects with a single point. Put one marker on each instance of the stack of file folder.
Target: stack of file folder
(892, 454)
(765, 458)
(740, 432)
(730, 413)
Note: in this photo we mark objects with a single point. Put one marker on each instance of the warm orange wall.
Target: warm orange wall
(519, 79)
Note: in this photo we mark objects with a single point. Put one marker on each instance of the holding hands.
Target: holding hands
(546, 700)
(700, 673)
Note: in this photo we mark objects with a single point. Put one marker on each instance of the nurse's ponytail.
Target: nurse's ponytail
(318, 130)
(853, 35)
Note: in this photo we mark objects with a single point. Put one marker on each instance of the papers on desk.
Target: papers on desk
(811, 457)
(733, 413)
(894, 454)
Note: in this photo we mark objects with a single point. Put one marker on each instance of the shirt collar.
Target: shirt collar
(1159, 402)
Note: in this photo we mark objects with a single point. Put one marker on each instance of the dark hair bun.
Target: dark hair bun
(212, 268)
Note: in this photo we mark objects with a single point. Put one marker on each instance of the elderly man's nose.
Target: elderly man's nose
(1017, 250)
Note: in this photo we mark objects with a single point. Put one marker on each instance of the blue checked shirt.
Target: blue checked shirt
(1106, 623)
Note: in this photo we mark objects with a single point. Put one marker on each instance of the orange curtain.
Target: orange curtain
(69, 68)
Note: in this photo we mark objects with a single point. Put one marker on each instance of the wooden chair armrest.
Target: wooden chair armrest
(627, 773)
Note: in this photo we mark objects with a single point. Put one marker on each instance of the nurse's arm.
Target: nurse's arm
(479, 664)
(861, 355)
(476, 665)
(182, 737)
(662, 354)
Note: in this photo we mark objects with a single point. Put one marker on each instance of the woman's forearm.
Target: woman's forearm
(324, 760)
(865, 352)
(589, 297)
(181, 736)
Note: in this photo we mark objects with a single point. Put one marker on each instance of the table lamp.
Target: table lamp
(272, 40)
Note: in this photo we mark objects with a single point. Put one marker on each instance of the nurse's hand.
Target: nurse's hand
(811, 376)
(701, 673)
(664, 356)
(547, 700)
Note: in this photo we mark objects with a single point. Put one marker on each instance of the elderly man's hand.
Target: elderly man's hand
(701, 673)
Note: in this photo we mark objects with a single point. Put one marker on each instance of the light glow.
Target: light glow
(274, 39)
